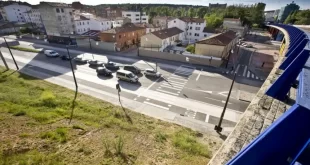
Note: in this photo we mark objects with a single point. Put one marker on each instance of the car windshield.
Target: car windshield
(131, 75)
(151, 71)
(52, 52)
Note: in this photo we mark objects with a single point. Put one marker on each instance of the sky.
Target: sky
(270, 4)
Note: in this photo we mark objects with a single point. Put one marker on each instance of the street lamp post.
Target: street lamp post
(7, 45)
(218, 127)
(76, 85)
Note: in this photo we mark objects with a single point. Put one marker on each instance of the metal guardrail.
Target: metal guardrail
(286, 141)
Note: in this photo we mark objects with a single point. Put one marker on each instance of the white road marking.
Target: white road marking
(207, 118)
(198, 75)
(148, 87)
(256, 78)
(173, 85)
(147, 99)
(179, 92)
(167, 92)
(210, 92)
(171, 88)
(222, 101)
(182, 73)
(252, 75)
(156, 105)
(159, 87)
(248, 74)
(237, 68)
(244, 71)
(178, 78)
(177, 82)
(169, 105)
(135, 99)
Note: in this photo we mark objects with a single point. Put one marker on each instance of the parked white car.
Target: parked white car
(51, 53)
(152, 72)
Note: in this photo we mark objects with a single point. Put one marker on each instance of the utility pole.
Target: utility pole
(76, 85)
(3, 59)
(90, 47)
(7, 45)
(218, 127)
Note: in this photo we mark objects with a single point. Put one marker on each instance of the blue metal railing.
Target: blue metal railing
(286, 141)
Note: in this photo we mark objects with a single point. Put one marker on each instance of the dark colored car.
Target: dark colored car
(132, 69)
(65, 57)
(95, 63)
(103, 71)
(112, 65)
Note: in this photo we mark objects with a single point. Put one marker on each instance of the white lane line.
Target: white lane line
(148, 87)
(256, 78)
(155, 105)
(182, 77)
(237, 68)
(169, 105)
(232, 72)
(171, 88)
(248, 74)
(207, 118)
(252, 75)
(198, 75)
(167, 92)
(147, 99)
(244, 71)
(135, 99)
(173, 85)
(222, 101)
(178, 78)
(177, 83)
(183, 73)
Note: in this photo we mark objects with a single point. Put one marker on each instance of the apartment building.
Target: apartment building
(162, 21)
(193, 27)
(13, 11)
(119, 21)
(124, 36)
(57, 18)
(136, 16)
(113, 12)
(149, 27)
(85, 22)
(33, 16)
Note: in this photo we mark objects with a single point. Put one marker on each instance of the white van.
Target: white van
(127, 76)
(51, 53)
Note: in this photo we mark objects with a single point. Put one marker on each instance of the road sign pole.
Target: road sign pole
(11, 53)
(3, 59)
(218, 127)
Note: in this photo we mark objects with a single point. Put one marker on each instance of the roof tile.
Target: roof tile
(165, 33)
(221, 39)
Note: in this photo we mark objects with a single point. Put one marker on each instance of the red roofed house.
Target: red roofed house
(217, 45)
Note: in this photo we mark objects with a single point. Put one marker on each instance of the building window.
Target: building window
(113, 36)
(128, 15)
(197, 28)
(62, 10)
(143, 18)
(83, 23)
(57, 10)
(18, 10)
(197, 34)
(190, 27)
(88, 29)
(59, 18)
(205, 35)
(120, 36)
(87, 23)
(137, 19)
(137, 15)
(101, 23)
(190, 34)
(78, 30)
(80, 23)
(84, 29)
(70, 13)
(108, 23)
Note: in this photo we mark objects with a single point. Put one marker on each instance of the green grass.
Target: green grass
(45, 109)
(59, 135)
(25, 49)
(186, 141)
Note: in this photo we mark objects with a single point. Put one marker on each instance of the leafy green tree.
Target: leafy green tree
(201, 12)
(191, 12)
(190, 48)
(214, 21)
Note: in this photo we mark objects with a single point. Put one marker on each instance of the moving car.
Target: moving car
(112, 65)
(132, 69)
(80, 60)
(65, 57)
(95, 63)
(152, 72)
(51, 53)
(103, 71)
(127, 76)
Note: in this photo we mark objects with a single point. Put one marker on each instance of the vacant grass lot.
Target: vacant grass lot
(34, 129)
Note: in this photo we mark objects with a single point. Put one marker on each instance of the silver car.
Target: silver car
(152, 72)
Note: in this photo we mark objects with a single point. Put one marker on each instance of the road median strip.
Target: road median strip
(20, 48)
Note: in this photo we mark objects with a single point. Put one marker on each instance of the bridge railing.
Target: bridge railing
(286, 141)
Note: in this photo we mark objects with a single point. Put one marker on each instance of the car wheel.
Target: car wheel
(131, 81)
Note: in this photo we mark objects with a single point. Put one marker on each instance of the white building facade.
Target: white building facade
(135, 16)
(33, 16)
(57, 18)
(14, 12)
(119, 21)
(85, 22)
(193, 28)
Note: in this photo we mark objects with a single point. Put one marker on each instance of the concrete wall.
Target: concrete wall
(108, 46)
(180, 58)
(150, 40)
(14, 12)
(209, 50)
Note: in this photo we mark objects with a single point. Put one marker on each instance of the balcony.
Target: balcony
(274, 128)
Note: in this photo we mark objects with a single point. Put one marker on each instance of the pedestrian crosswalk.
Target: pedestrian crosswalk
(244, 71)
(176, 82)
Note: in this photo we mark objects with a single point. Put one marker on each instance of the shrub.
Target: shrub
(60, 135)
(159, 137)
(190, 48)
(118, 146)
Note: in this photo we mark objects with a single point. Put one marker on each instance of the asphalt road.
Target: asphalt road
(183, 89)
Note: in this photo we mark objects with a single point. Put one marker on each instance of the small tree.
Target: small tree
(190, 48)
